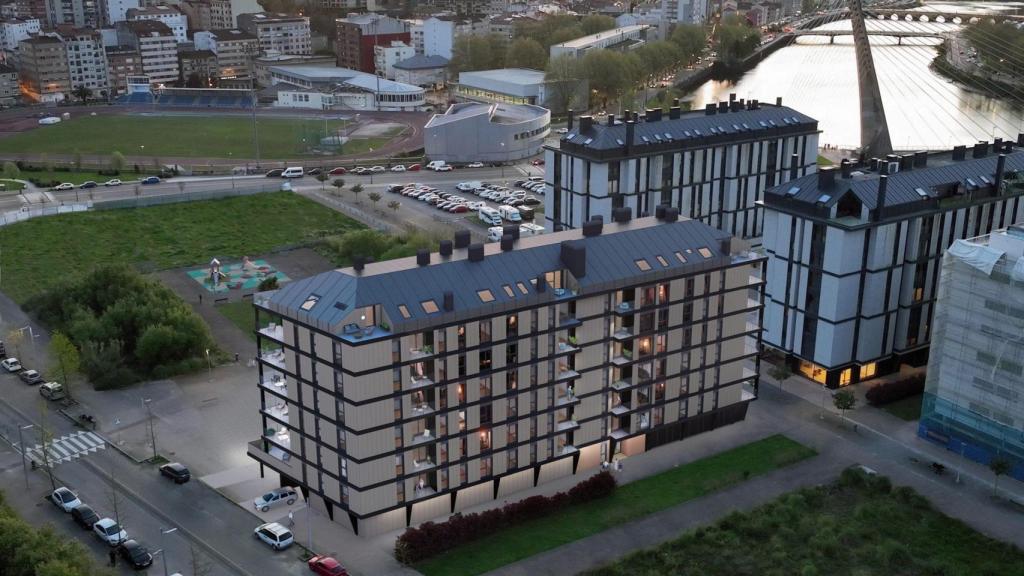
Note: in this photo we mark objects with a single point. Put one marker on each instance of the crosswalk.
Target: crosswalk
(67, 448)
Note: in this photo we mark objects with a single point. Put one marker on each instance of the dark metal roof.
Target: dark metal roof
(901, 188)
(610, 263)
(421, 62)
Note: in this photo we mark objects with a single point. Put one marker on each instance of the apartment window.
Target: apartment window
(485, 466)
(508, 291)
(868, 371)
(704, 252)
(642, 264)
(429, 306)
(522, 288)
(510, 324)
(311, 301)
(485, 330)
(662, 261)
(485, 296)
(845, 377)
(404, 311)
(486, 410)
(485, 360)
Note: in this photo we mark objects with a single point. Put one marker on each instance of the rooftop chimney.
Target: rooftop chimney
(997, 145)
(883, 183)
(674, 112)
(980, 149)
(461, 238)
(675, 101)
(723, 107)
(845, 168)
(732, 96)
(568, 124)
(636, 116)
(448, 301)
(611, 119)
(542, 286)
(422, 257)
(906, 162)
(920, 159)
(735, 106)
(476, 252)
(1000, 168)
(445, 248)
(659, 211)
(1020, 140)
(873, 164)
(512, 229)
(574, 256)
(358, 263)
(826, 177)
(959, 152)
(623, 214)
(778, 101)
(592, 228)
(586, 122)
(755, 104)
(671, 214)
(506, 242)
(794, 165)
(710, 109)
(630, 134)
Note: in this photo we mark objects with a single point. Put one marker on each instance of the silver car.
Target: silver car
(274, 498)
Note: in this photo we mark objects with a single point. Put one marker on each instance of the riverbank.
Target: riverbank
(948, 65)
(719, 71)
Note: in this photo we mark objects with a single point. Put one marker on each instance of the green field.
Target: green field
(11, 185)
(45, 252)
(628, 502)
(857, 526)
(184, 136)
(908, 408)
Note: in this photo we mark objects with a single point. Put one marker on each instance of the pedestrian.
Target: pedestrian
(200, 297)
(113, 558)
(291, 518)
(236, 357)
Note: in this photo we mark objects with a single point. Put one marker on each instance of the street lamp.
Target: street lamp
(152, 432)
(24, 459)
(163, 549)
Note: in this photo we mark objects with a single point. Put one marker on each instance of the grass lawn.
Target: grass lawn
(822, 161)
(857, 526)
(11, 185)
(629, 502)
(185, 136)
(45, 252)
(908, 409)
(241, 314)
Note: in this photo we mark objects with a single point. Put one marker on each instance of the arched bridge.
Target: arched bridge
(939, 16)
(899, 34)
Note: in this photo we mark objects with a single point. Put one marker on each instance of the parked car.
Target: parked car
(378, 169)
(360, 170)
(136, 554)
(460, 209)
(112, 182)
(531, 201)
(538, 162)
(51, 391)
(339, 171)
(175, 471)
(84, 516)
(398, 168)
(475, 165)
(30, 377)
(11, 364)
(151, 180)
(293, 172)
(87, 184)
(275, 535)
(562, 131)
(326, 566)
(275, 173)
(314, 172)
(413, 167)
(109, 531)
(65, 499)
(275, 497)
(64, 186)
(444, 168)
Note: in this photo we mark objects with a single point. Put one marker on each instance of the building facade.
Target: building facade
(471, 132)
(43, 69)
(685, 11)
(278, 33)
(358, 34)
(207, 14)
(974, 396)
(9, 91)
(15, 30)
(169, 15)
(405, 390)
(327, 87)
(426, 71)
(519, 86)
(157, 48)
(78, 13)
(114, 11)
(713, 165)
(87, 60)
(621, 39)
(198, 68)
(233, 48)
(385, 58)
(853, 255)
(122, 62)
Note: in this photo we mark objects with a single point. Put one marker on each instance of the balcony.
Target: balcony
(275, 358)
(420, 381)
(421, 352)
(275, 381)
(423, 492)
(567, 320)
(566, 450)
(622, 383)
(566, 399)
(619, 433)
(274, 331)
(278, 412)
(567, 346)
(567, 424)
(566, 374)
(423, 464)
(273, 456)
(353, 333)
(623, 357)
(422, 438)
(624, 333)
(422, 409)
(625, 307)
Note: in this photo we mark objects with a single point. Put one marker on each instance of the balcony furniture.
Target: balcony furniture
(350, 329)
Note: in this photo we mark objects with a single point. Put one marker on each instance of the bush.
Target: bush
(432, 538)
(889, 392)
(269, 283)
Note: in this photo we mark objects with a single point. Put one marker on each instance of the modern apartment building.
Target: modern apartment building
(79, 13)
(620, 39)
(433, 36)
(854, 254)
(114, 11)
(87, 59)
(234, 49)
(157, 48)
(169, 15)
(9, 90)
(713, 165)
(43, 69)
(15, 30)
(385, 58)
(198, 68)
(207, 14)
(122, 62)
(685, 11)
(278, 33)
(399, 391)
(974, 397)
(359, 33)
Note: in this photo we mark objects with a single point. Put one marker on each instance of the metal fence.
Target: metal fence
(27, 213)
(146, 201)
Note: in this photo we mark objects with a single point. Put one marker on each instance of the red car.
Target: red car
(326, 566)
(538, 162)
(413, 168)
(337, 171)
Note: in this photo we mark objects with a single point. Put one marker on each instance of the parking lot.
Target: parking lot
(491, 203)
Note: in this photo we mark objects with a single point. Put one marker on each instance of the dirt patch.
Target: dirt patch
(376, 130)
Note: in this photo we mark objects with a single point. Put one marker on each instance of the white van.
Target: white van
(490, 216)
(436, 165)
(494, 233)
(529, 229)
(293, 172)
(509, 213)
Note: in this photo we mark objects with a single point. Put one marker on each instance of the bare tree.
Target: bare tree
(46, 440)
(115, 499)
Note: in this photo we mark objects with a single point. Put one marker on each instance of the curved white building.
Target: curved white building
(470, 132)
(327, 87)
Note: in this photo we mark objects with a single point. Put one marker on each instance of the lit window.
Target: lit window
(868, 371)
(662, 261)
(642, 264)
(845, 376)
(508, 291)
(311, 301)
(404, 311)
(429, 306)
(704, 252)
(485, 295)
(680, 257)
(522, 288)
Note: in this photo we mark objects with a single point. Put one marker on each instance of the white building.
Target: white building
(15, 30)
(713, 165)
(114, 11)
(280, 33)
(685, 11)
(234, 49)
(157, 48)
(621, 39)
(974, 397)
(426, 71)
(471, 132)
(438, 37)
(327, 87)
(853, 255)
(78, 13)
(87, 60)
(385, 58)
(169, 15)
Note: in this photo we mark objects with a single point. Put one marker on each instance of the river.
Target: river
(924, 110)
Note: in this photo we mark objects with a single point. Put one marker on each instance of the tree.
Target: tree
(374, 197)
(338, 183)
(608, 74)
(321, 177)
(115, 499)
(844, 400)
(808, 6)
(595, 23)
(565, 78)
(15, 338)
(526, 53)
(11, 171)
(117, 162)
(691, 40)
(356, 190)
(65, 358)
(780, 373)
(736, 41)
(394, 205)
(999, 466)
(45, 440)
(657, 58)
(477, 53)
(78, 161)
(82, 92)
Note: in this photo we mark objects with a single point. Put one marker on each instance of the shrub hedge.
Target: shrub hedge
(888, 392)
(432, 538)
